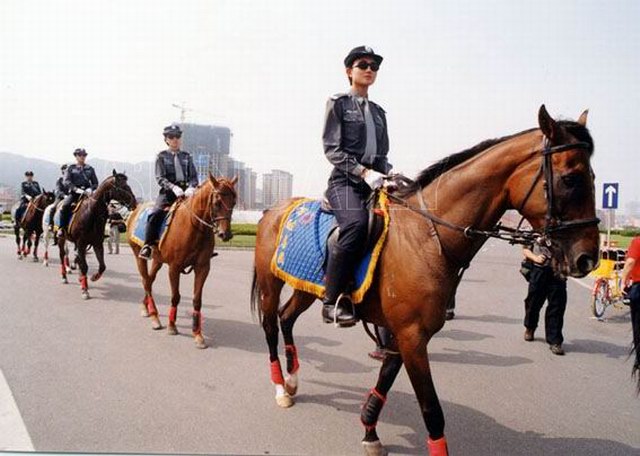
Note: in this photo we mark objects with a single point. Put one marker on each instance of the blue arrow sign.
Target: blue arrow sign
(610, 196)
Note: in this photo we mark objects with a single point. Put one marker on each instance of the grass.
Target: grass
(623, 241)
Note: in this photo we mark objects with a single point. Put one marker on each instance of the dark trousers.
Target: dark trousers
(22, 208)
(65, 209)
(634, 297)
(152, 231)
(544, 285)
(348, 202)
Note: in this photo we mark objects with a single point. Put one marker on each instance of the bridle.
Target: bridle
(213, 225)
(553, 222)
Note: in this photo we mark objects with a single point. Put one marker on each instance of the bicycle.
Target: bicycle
(607, 289)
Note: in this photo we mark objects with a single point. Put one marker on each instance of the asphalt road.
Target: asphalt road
(92, 376)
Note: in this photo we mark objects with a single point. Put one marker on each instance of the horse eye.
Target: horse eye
(573, 180)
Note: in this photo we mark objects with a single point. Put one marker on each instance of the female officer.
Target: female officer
(356, 143)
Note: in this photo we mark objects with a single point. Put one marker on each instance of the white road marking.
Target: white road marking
(582, 283)
(13, 432)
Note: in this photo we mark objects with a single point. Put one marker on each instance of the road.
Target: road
(92, 376)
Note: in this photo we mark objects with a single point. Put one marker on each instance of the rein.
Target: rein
(213, 225)
(553, 224)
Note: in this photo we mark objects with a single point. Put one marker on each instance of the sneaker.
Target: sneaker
(556, 349)
(145, 252)
(528, 334)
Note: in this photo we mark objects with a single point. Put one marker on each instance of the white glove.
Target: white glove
(177, 191)
(79, 191)
(373, 179)
(29, 197)
(190, 191)
(88, 192)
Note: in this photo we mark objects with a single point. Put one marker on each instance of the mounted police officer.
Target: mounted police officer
(356, 143)
(177, 177)
(60, 193)
(29, 190)
(80, 179)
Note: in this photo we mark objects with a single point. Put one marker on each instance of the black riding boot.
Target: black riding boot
(337, 273)
(151, 235)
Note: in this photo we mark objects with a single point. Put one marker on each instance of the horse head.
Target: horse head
(556, 194)
(118, 189)
(223, 201)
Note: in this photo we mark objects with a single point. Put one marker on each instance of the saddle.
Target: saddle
(140, 224)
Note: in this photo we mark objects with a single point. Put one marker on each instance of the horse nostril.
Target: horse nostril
(585, 263)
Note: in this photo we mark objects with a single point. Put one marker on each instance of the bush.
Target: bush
(244, 229)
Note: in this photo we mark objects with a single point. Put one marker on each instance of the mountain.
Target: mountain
(12, 167)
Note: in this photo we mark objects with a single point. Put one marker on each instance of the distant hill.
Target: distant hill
(12, 168)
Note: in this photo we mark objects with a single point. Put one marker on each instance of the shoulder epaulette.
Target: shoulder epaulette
(339, 95)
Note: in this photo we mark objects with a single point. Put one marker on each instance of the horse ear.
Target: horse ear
(547, 124)
(234, 180)
(114, 172)
(213, 180)
(582, 120)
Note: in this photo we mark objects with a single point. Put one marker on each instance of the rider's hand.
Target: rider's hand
(374, 179)
(79, 191)
(177, 191)
(28, 197)
(88, 192)
(190, 191)
(541, 259)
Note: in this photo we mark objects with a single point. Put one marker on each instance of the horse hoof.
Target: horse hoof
(96, 277)
(64, 280)
(155, 323)
(85, 295)
(35, 259)
(46, 264)
(291, 386)
(374, 449)
(172, 330)
(284, 401)
(143, 311)
(200, 343)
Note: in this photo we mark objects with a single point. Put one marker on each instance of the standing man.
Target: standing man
(80, 179)
(544, 285)
(29, 189)
(177, 177)
(356, 143)
(631, 279)
(115, 220)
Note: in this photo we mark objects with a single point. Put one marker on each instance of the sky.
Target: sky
(104, 75)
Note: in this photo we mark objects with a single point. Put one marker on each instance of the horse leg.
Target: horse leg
(201, 272)
(84, 268)
(297, 304)
(375, 401)
(63, 259)
(413, 348)
(99, 251)
(174, 279)
(16, 231)
(45, 241)
(36, 243)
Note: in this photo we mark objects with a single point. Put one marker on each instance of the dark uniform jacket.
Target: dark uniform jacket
(78, 177)
(115, 218)
(166, 171)
(345, 137)
(61, 189)
(30, 188)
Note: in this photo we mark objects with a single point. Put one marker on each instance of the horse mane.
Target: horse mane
(429, 174)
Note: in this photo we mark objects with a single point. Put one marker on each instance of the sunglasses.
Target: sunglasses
(174, 136)
(363, 65)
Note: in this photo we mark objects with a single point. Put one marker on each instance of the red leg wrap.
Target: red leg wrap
(83, 283)
(197, 322)
(63, 270)
(437, 447)
(292, 358)
(46, 255)
(151, 306)
(276, 373)
(172, 315)
(66, 261)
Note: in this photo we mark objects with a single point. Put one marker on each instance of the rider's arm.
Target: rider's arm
(68, 182)
(529, 255)
(94, 179)
(628, 266)
(161, 174)
(332, 141)
(382, 160)
(193, 173)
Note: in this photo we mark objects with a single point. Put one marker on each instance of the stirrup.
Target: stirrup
(335, 311)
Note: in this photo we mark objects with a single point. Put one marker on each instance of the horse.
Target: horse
(87, 227)
(31, 224)
(437, 225)
(187, 245)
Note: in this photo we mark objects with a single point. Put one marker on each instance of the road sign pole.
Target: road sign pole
(609, 212)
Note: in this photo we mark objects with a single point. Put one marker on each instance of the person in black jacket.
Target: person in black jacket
(60, 193)
(29, 189)
(356, 143)
(79, 179)
(177, 177)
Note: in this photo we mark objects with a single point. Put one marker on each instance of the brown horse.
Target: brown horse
(31, 223)
(87, 226)
(418, 270)
(188, 243)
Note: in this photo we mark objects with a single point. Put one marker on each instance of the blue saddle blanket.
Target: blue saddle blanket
(300, 255)
(140, 225)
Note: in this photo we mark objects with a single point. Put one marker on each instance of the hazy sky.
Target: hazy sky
(103, 75)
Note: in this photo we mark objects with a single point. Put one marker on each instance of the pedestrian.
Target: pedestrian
(631, 282)
(177, 177)
(116, 226)
(356, 143)
(544, 285)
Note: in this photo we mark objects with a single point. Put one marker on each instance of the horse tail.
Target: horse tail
(255, 296)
